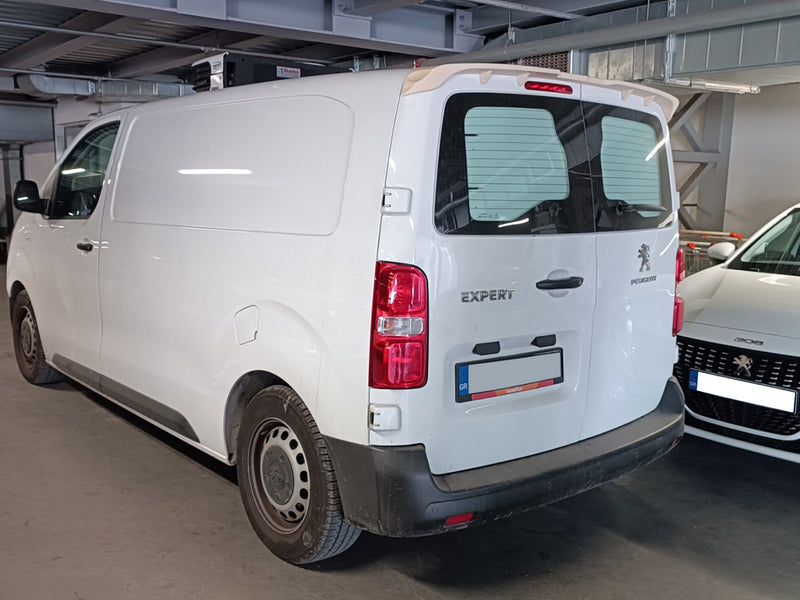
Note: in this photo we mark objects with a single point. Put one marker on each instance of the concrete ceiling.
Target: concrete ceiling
(157, 40)
(123, 39)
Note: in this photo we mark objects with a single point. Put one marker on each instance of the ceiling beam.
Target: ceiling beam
(527, 8)
(51, 45)
(415, 30)
(326, 52)
(367, 8)
(621, 34)
(490, 19)
(254, 41)
(163, 59)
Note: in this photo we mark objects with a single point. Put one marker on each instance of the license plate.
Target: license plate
(510, 375)
(743, 391)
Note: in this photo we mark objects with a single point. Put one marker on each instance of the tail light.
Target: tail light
(680, 266)
(399, 349)
(677, 310)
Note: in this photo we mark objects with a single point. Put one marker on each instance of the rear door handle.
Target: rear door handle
(568, 283)
(85, 246)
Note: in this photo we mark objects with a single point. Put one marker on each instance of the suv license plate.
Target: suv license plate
(508, 375)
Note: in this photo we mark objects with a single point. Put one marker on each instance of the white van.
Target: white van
(399, 301)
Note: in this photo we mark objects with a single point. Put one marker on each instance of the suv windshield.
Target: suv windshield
(517, 165)
(776, 251)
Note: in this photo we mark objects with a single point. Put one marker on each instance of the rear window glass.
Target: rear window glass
(514, 161)
(519, 165)
(627, 157)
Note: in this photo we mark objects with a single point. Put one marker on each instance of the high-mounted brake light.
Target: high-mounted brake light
(677, 309)
(399, 350)
(543, 86)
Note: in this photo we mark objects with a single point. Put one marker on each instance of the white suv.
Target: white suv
(399, 301)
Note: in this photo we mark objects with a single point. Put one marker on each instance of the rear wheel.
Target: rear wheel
(28, 344)
(287, 481)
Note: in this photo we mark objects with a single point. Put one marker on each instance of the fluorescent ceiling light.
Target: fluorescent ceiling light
(712, 86)
(73, 171)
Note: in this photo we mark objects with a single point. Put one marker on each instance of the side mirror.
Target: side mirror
(721, 252)
(26, 197)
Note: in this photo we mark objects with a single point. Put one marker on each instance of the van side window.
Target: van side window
(82, 173)
(514, 161)
(629, 163)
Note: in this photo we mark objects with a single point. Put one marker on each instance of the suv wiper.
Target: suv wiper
(622, 207)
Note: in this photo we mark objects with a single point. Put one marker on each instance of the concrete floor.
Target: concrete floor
(95, 504)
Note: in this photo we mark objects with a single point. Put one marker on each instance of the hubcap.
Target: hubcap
(27, 337)
(284, 474)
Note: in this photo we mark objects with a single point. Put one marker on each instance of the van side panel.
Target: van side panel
(341, 409)
(229, 248)
(246, 166)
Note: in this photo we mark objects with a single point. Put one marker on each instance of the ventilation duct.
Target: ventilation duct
(48, 86)
(560, 61)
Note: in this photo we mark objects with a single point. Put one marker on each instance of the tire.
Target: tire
(287, 482)
(28, 344)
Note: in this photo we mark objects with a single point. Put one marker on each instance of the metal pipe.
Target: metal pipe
(9, 212)
(96, 78)
(165, 44)
(714, 19)
(529, 9)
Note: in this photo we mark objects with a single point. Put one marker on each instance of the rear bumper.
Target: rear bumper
(391, 491)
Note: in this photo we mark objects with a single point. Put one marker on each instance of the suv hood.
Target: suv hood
(743, 300)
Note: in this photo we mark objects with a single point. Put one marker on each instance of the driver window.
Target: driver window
(82, 174)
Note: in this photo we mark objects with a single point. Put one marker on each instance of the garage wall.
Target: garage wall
(39, 159)
(765, 157)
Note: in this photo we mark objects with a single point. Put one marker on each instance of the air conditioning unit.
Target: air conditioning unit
(225, 70)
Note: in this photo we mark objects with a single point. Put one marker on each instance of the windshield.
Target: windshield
(776, 251)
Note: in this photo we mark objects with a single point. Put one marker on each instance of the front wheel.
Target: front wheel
(287, 481)
(28, 344)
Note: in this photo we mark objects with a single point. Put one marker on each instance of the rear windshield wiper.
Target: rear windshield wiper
(622, 207)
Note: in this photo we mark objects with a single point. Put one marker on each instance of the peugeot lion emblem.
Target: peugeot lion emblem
(644, 255)
(743, 364)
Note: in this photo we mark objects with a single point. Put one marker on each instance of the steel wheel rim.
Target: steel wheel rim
(27, 337)
(280, 471)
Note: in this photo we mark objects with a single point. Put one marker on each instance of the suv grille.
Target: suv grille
(770, 369)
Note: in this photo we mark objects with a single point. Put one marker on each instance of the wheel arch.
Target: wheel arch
(247, 386)
(16, 288)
